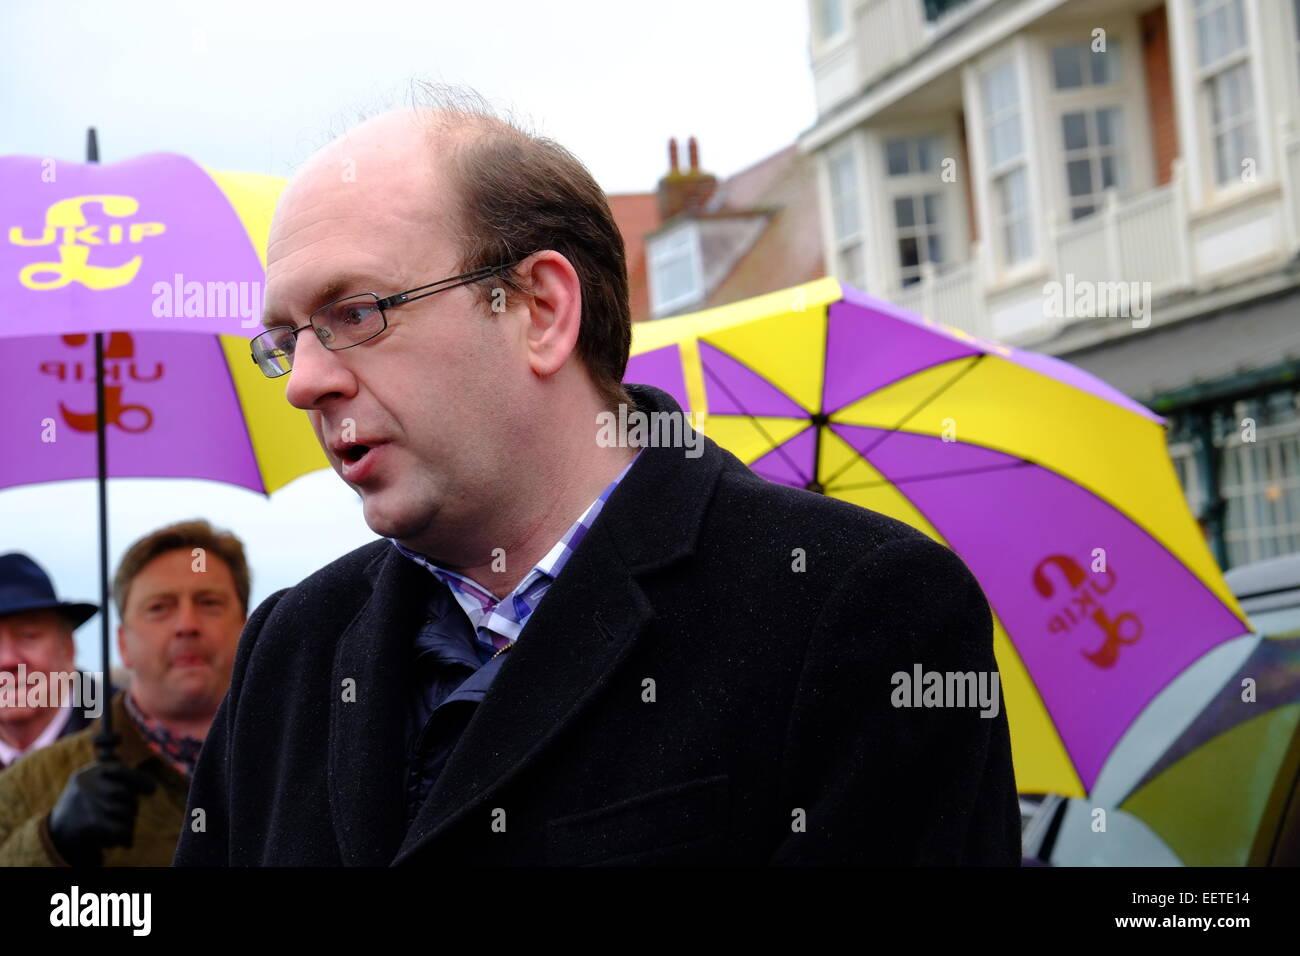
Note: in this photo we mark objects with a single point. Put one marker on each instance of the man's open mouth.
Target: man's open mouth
(354, 453)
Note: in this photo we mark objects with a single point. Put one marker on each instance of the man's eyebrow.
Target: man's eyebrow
(335, 288)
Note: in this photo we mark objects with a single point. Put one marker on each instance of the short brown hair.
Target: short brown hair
(183, 535)
(518, 193)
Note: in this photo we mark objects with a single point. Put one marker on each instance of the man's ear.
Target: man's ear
(121, 647)
(554, 310)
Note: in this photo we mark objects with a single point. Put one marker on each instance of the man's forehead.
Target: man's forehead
(351, 220)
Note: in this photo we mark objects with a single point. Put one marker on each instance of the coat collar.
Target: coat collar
(588, 622)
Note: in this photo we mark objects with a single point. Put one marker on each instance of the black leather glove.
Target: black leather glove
(96, 810)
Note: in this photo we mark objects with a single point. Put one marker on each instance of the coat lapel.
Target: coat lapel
(570, 647)
(367, 740)
(590, 619)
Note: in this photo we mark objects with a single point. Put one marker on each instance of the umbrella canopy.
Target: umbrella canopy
(164, 263)
(152, 250)
(1056, 490)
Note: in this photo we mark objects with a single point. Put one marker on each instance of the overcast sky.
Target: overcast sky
(259, 85)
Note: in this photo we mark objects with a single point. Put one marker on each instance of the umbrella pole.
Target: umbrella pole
(105, 741)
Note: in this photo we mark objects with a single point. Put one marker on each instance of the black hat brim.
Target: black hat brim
(77, 614)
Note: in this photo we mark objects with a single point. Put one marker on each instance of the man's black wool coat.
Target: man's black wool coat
(682, 695)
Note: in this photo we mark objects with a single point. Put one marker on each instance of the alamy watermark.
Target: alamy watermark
(181, 299)
(638, 429)
(1085, 299)
(81, 691)
(922, 688)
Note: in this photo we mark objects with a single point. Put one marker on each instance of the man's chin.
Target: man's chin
(18, 716)
(384, 520)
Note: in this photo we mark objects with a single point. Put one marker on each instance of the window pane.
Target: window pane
(1067, 66)
(908, 255)
(1079, 176)
(1014, 189)
(1109, 172)
(1234, 97)
(1204, 52)
(1109, 127)
(1236, 17)
(1078, 212)
(1222, 161)
(1220, 31)
(844, 199)
(896, 157)
(1000, 88)
(1219, 24)
(935, 248)
(933, 203)
(903, 216)
(1074, 126)
(1232, 108)
(1105, 66)
(1234, 152)
(1004, 141)
(1018, 241)
(1249, 147)
(928, 154)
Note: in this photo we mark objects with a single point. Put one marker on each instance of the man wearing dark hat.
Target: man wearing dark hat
(36, 651)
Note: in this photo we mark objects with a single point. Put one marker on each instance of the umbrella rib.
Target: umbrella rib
(983, 469)
(772, 446)
(910, 415)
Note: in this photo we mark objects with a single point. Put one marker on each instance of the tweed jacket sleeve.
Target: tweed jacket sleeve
(21, 840)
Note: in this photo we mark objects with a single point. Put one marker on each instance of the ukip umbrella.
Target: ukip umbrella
(107, 272)
(1056, 490)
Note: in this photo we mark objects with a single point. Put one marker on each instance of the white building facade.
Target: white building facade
(1115, 182)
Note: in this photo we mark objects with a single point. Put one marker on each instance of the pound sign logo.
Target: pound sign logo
(65, 222)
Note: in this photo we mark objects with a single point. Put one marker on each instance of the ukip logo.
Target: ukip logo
(66, 225)
(1083, 602)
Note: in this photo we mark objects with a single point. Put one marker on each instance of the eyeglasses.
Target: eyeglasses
(349, 321)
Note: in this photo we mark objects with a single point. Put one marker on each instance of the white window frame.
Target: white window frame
(850, 241)
(666, 250)
(1264, 26)
(1204, 75)
(914, 186)
(1127, 93)
(993, 174)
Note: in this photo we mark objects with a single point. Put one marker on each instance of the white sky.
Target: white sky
(259, 85)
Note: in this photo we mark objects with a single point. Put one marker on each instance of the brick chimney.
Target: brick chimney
(684, 189)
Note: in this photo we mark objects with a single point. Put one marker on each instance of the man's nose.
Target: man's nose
(187, 618)
(317, 373)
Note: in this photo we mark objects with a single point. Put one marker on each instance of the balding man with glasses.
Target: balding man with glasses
(562, 650)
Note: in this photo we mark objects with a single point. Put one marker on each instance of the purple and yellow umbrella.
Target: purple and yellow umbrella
(1056, 490)
(128, 294)
(167, 259)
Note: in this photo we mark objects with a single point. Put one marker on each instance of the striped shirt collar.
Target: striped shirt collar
(498, 623)
(181, 751)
